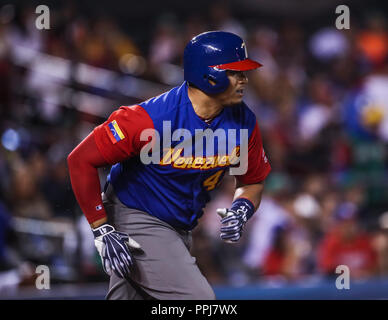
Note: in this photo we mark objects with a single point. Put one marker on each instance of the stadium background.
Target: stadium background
(321, 100)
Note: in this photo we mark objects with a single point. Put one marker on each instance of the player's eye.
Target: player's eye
(236, 74)
(232, 72)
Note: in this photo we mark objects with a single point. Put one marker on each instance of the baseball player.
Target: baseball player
(142, 220)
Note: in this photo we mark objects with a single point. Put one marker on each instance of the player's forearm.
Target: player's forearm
(86, 187)
(252, 192)
(83, 162)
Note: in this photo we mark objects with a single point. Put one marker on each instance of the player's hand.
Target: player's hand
(114, 249)
(232, 224)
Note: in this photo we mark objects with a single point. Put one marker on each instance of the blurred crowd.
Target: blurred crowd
(321, 100)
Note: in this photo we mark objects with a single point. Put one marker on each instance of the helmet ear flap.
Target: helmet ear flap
(216, 80)
(211, 79)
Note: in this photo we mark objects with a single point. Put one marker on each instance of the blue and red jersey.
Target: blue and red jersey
(176, 188)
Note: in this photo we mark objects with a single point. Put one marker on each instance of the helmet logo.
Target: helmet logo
(243, 46)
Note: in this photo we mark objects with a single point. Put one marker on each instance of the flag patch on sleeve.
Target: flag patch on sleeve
(114, 132)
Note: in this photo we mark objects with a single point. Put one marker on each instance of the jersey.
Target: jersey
(175, 188)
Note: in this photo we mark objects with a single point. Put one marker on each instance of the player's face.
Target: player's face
(235, 92)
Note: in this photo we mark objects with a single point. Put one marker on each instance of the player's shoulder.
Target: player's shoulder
(130, 118)
(166, 102)
(131, 111)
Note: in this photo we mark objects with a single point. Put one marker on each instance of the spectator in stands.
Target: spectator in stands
(26, 199)
(380, 244)
(272, 215)
(346, 244)
(282, 260)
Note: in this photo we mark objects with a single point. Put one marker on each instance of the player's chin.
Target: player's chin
(233, 102)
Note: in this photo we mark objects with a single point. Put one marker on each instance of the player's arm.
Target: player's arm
(114, 141)
(113, 246)
(251, 192)
(249, 189)
(246, 201)
(83, 163)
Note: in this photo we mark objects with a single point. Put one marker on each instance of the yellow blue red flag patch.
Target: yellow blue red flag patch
(114, 132)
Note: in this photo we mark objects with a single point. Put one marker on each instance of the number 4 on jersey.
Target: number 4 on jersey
(211, 182)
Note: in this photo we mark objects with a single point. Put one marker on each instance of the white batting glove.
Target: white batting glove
(114, 249)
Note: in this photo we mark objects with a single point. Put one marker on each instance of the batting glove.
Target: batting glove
(234, 219)
(114, 249)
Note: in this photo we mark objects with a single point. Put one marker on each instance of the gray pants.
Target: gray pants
(164, 266)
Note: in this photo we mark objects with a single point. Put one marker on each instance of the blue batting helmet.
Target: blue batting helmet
(208, 56)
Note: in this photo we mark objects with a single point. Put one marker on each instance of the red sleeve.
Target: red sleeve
(118, 138)
(103, 147)
(83, 162)
(258, 165)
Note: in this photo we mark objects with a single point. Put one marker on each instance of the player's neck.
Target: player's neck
(205, 106)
